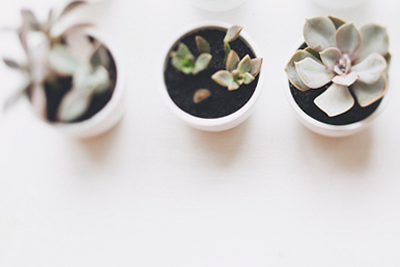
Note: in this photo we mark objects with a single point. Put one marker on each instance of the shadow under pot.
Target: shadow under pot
(337, 82)
(211, 76)
(83, 101)
(217, 5)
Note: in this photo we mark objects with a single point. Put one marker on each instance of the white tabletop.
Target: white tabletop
(155, 193)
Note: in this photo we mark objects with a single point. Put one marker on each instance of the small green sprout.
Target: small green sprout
(184, 61)
(237, 71)
(231, 35)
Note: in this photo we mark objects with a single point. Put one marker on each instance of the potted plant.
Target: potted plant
(217, 5)
(73, 80)
(339, 4)
(211, 76)
(336, 80)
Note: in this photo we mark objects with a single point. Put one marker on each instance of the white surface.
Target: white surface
(154, 192)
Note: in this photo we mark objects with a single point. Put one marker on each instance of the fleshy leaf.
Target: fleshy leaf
(70, 7)
(201, 63)
(337, 21)
(348, 40)
(330, 57)
(63, 61)
(313, 74)
(244, 65)
(319, 33)
(73, 105)
(335, 100)
(232, 34)
(248, 78)
(233, 85)
(367, 94)
(39, 101)
(388, 59)
(200, 95)
(347, 79)
(375, 39)
(89, 81)
(100, 57)
(11, 63)
(313, 52)
(232, 61)
(30, 20)
(223, 78)
(183, 52)
(256, 64)
(292, 72)
(371, 68)
(202, 45)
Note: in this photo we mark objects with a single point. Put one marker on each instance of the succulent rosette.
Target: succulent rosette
(348, 58)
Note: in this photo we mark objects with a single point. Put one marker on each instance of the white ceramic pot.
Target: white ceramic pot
(217, 124)
(217, 5)
(111, 113)
(324, 128)
(339, 4)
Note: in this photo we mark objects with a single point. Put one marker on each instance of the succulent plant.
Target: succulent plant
(350, 58)
(231, 35)
(237, 71)
(184, 61)
(71, 53)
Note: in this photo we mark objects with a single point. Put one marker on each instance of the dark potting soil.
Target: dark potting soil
(56, 90)
(305, 100)
(181, 87)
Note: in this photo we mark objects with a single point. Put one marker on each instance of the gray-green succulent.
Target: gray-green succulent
(352, 59)
(183, 59)
(49, 56)
(237, 71)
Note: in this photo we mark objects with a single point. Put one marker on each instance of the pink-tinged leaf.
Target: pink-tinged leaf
(371, 68)
(313, 73)
(256, 64)
(39, 101)
(347, 79)
(330, 57)
(348, 40)
(367, 94)
(291, 71)
(375, 39)
(232, 61)
(70, 7)
(319, 33)
(30, 20)
(335, 101)
(232, 34)
(201, 95)
(223, 78)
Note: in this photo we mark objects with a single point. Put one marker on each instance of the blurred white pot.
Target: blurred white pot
(339, 4)
(111, 113)
(217, 5)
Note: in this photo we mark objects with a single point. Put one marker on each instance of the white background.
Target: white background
(156, 193)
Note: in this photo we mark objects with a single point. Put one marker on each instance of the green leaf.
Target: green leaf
(201, 63)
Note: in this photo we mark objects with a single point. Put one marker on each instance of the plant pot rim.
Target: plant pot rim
(207, 122)
(118, 93)
(325, 128)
